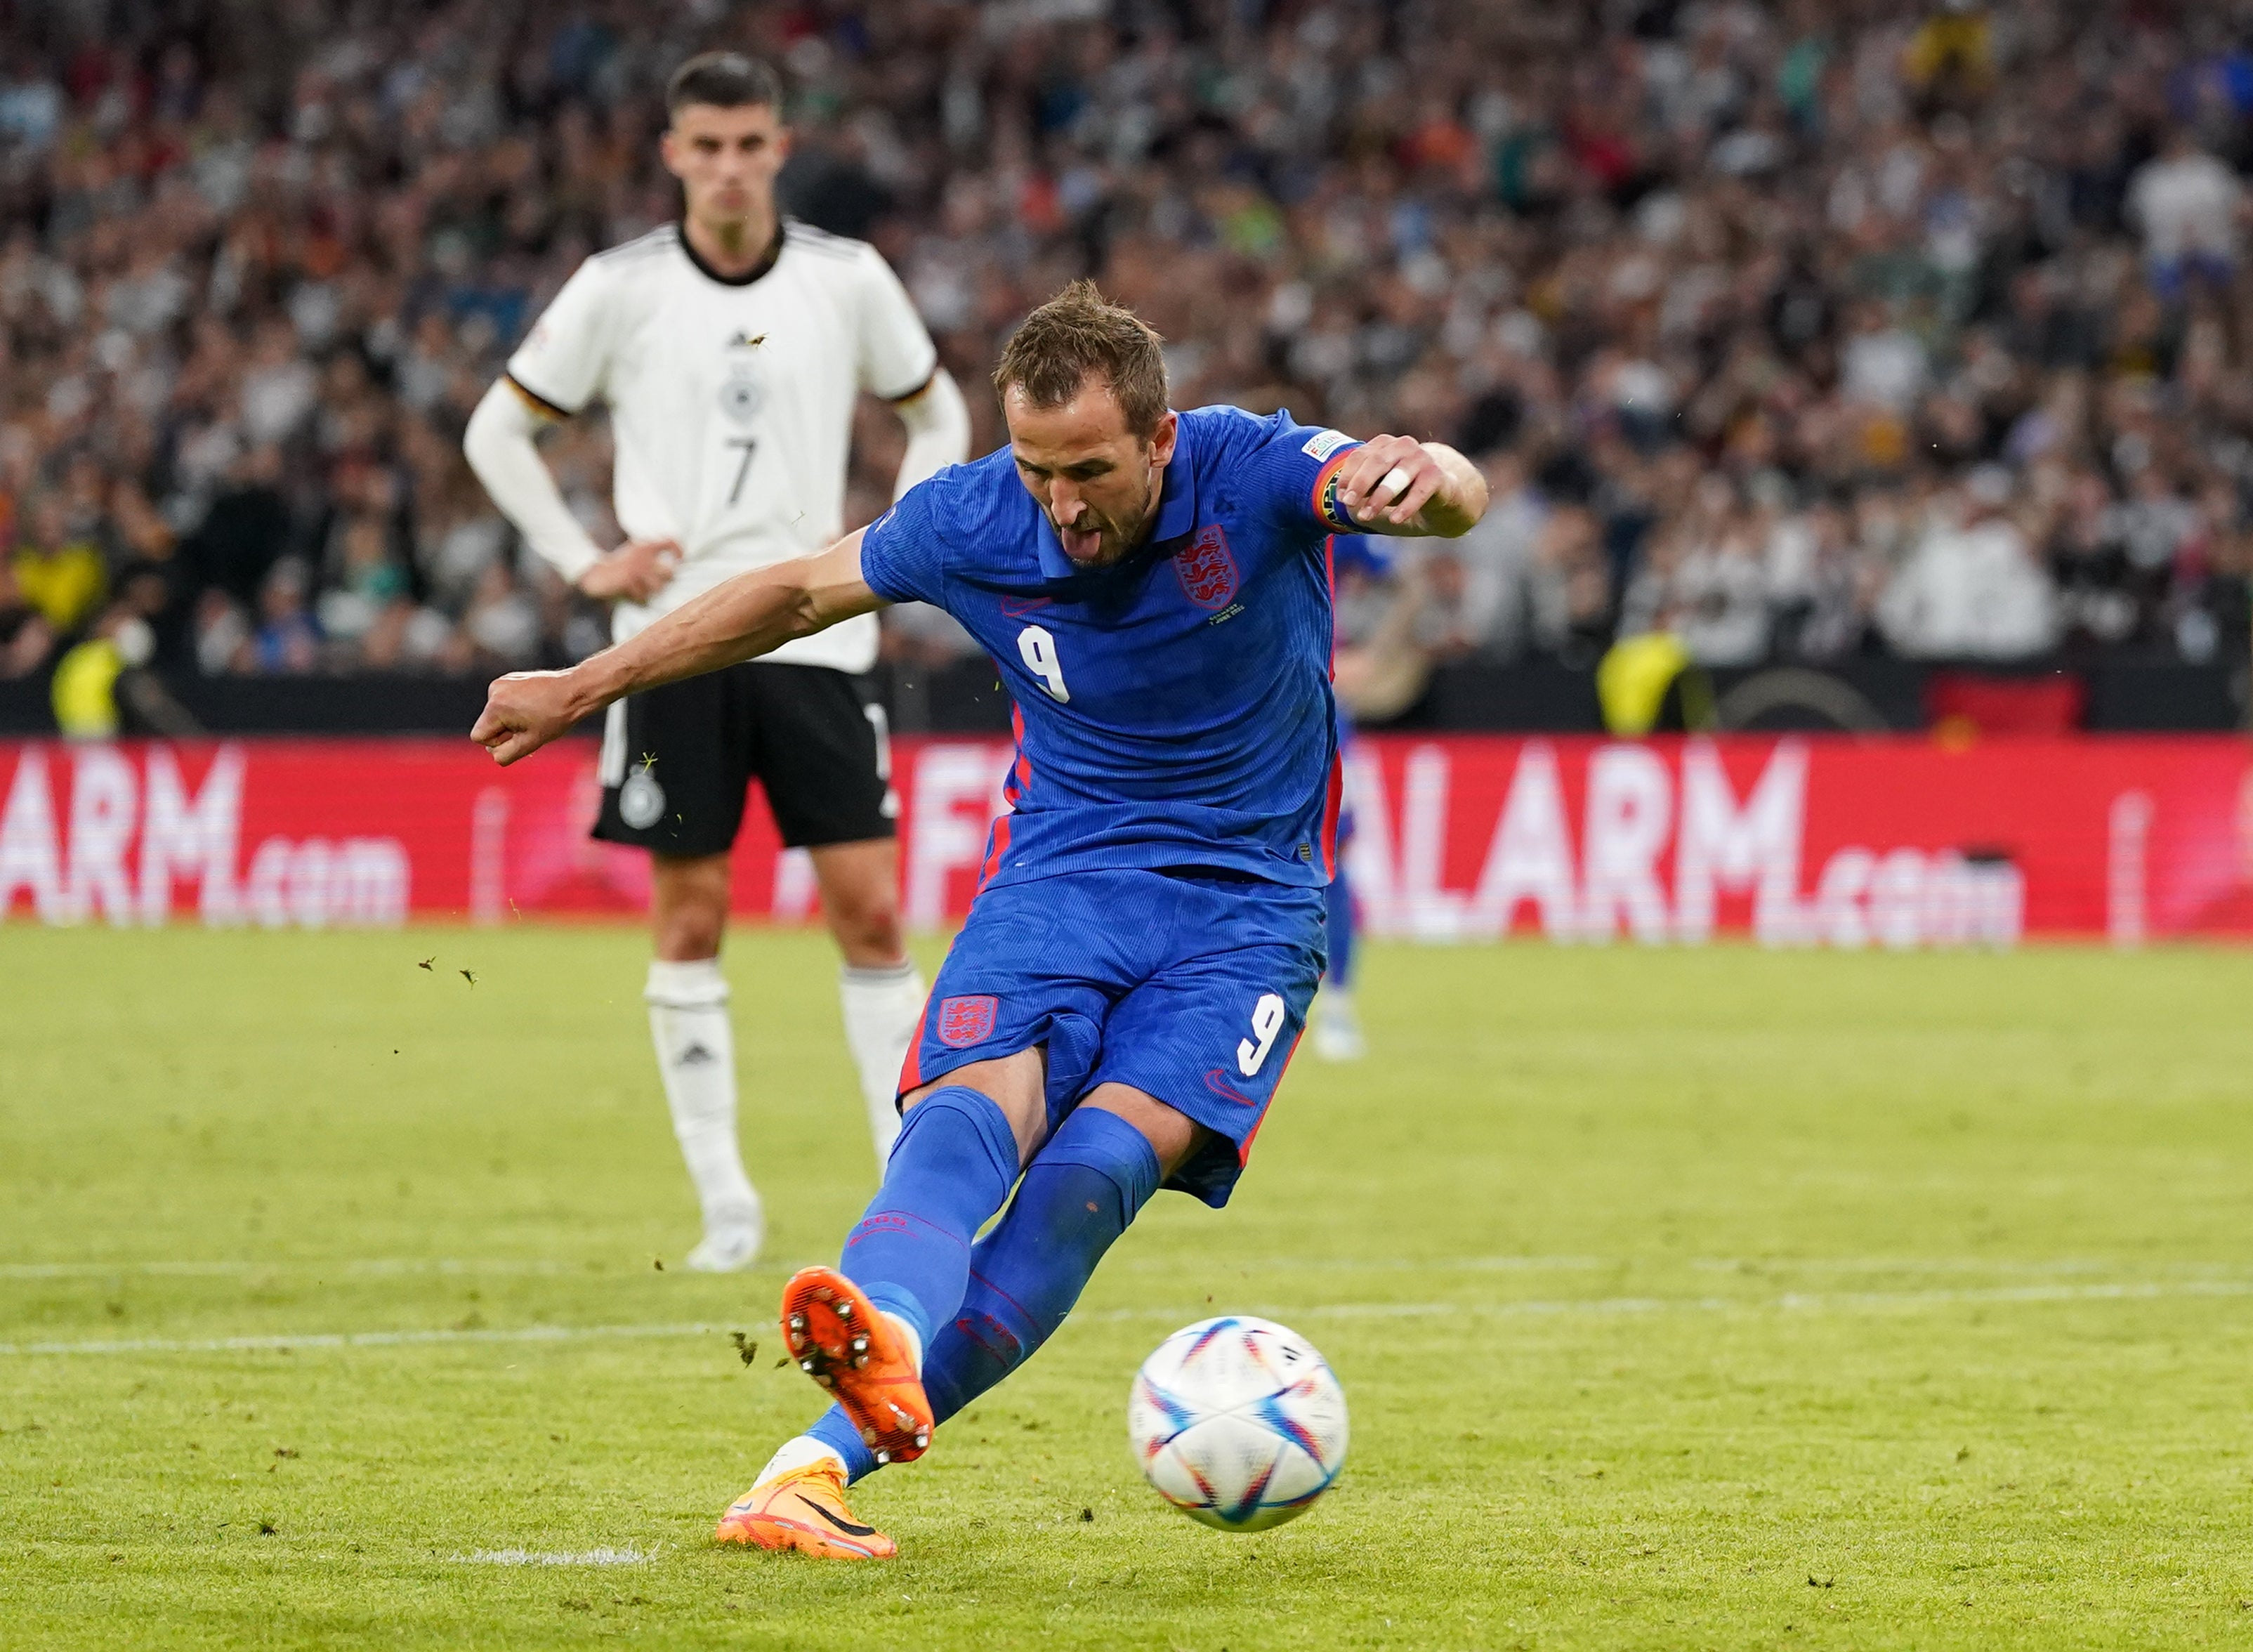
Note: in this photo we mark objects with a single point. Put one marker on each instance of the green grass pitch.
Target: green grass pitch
(1722, 1299)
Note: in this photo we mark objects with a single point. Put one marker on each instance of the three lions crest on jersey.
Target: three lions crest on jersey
(1175, 707)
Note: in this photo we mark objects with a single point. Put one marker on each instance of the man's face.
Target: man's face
(1097, 481)
(726, 159)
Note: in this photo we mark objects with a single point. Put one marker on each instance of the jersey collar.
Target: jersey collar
(1177, 509)
(766, 260)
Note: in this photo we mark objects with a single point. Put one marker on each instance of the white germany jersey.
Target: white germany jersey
(731, 401)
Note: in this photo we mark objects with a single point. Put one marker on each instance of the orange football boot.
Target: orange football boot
(839, 1339)
(804, 1509)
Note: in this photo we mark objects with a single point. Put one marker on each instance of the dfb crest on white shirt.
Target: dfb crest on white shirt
(741, 396)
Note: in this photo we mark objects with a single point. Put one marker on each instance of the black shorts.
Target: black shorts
(677, 760)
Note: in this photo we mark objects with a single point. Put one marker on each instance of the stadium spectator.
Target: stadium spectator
(2188, 204)
(1483, 596)
(1972, 589)
(58, 567)
(27, 639)
(1836, 259)
(287, 640)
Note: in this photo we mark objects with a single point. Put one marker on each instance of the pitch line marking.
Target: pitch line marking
(356, 1339)
(367, 1267)
(410, 1266)
(527, 1558)
(403, 1267)
(2001, 1265)
(1794, 1301)
(1400, 1263)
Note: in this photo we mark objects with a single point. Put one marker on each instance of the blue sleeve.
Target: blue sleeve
(1289, 472)
(902, 554)
(1362, 554)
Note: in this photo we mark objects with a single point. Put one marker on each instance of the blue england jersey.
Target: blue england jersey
(1366, 554)
(1174, 710)
(1363, 553)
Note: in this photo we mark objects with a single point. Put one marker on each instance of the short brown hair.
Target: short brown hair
(724, 79)
(1079, 333)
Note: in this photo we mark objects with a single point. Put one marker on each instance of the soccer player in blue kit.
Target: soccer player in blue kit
(1337, 1023)
(1147, 932)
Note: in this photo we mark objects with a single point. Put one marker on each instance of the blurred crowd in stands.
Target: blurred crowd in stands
(1795, 330)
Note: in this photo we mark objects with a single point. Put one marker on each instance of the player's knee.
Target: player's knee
(1173, 1135)
(683, 937)
(867, 925)
(689, 913)
(691, 929)
(1015, 1083)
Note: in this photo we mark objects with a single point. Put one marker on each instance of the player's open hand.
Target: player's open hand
(634, 572)
(1388, 480)
(524, 711)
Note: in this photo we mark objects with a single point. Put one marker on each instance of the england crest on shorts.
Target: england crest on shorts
(967, 1019)
(1207, 570)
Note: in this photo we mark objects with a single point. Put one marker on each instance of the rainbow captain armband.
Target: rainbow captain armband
(1328, 511)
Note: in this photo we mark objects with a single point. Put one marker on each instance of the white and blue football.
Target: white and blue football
(1238, 1423)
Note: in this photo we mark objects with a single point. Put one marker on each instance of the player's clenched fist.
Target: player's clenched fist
(1391, 477)
(524, 711)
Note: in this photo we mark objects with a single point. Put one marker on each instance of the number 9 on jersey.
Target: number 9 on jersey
(1038, 650)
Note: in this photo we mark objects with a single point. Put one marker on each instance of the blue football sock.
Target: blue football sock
(949, 1172)
(1338, 912)
(1078, 1194)
(835, 1430)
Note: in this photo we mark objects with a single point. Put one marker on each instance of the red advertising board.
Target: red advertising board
(1825, 841)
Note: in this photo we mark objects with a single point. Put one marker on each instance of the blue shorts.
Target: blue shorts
(1191, 988)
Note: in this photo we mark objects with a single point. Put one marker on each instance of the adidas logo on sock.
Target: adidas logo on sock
(694, 1056)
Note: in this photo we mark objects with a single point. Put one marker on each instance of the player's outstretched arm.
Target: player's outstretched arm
(738, 620)
(1397, 485)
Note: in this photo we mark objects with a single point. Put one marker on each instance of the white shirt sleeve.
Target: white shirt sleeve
(500, 446)
(563, 359)
(897, 355)
(938, 431)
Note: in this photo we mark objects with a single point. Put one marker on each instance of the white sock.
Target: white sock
(696, 1057)
(882, 1008)
(794, 1454)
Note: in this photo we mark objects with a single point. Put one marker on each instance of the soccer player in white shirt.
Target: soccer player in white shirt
(731, 347)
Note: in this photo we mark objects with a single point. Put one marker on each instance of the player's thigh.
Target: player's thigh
(1221, 1024)
(860, 898)
(1017, 1084)
(1034, 970)
(1210, 1034)
(1173, 1135)
(675, 764)
(822, 755)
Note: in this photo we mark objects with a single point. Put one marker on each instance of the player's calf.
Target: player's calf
(1078, 1195)
(951, 1169)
